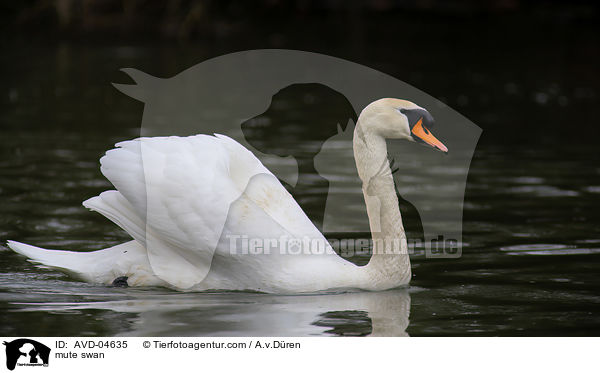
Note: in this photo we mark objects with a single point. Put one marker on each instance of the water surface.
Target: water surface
(529, 266)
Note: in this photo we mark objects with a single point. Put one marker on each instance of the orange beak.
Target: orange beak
(420, 131)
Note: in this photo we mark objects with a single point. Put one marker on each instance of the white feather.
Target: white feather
(190, 202)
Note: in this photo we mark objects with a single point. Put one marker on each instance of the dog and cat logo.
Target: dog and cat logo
(26, 352)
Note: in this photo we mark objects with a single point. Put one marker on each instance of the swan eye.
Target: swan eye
(416, 115)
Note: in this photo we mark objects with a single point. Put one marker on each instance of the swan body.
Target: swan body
(205, 214)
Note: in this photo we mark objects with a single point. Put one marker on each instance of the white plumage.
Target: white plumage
(190, 203)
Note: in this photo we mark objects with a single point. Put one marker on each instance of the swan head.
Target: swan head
(392, 118)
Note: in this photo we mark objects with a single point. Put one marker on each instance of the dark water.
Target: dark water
(530, 265)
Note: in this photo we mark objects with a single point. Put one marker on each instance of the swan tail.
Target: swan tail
(103, 266)
(73, 262)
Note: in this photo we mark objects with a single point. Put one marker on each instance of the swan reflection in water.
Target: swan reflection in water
(251, 314)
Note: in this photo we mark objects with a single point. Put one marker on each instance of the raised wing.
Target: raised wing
(174, 196)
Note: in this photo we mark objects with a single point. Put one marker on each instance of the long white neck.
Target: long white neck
(390, 264)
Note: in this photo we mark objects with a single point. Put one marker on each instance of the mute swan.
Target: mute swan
(190, 203)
